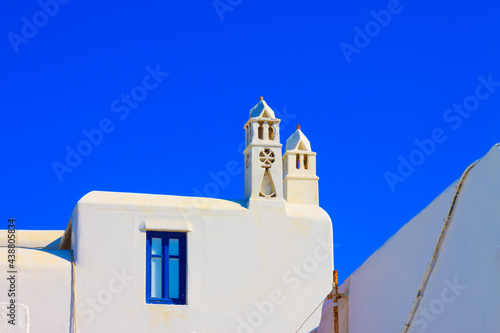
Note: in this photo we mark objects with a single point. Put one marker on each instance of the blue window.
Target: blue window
(166, 267)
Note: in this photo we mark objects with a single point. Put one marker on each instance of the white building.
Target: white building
(440, 272)
(160, 263)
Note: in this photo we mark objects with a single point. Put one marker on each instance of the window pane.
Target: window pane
(173, 247)
(173, 278)
(156, 246)
(156, 277)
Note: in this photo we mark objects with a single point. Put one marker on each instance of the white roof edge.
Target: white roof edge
(33, 238)
(159, 200)
(443, 193)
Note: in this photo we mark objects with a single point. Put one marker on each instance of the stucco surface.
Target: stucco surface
(43, 288)
(462, 291)
(239, 259)
(21, 322)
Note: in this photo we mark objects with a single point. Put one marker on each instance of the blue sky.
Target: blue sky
(376, 86)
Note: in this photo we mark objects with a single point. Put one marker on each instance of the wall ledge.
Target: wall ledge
(166, 225)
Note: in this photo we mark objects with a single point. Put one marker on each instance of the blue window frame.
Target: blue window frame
(166, 267)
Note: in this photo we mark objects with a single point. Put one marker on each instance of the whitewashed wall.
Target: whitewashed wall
(262, 269)
(463, 289)
(43, 290)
